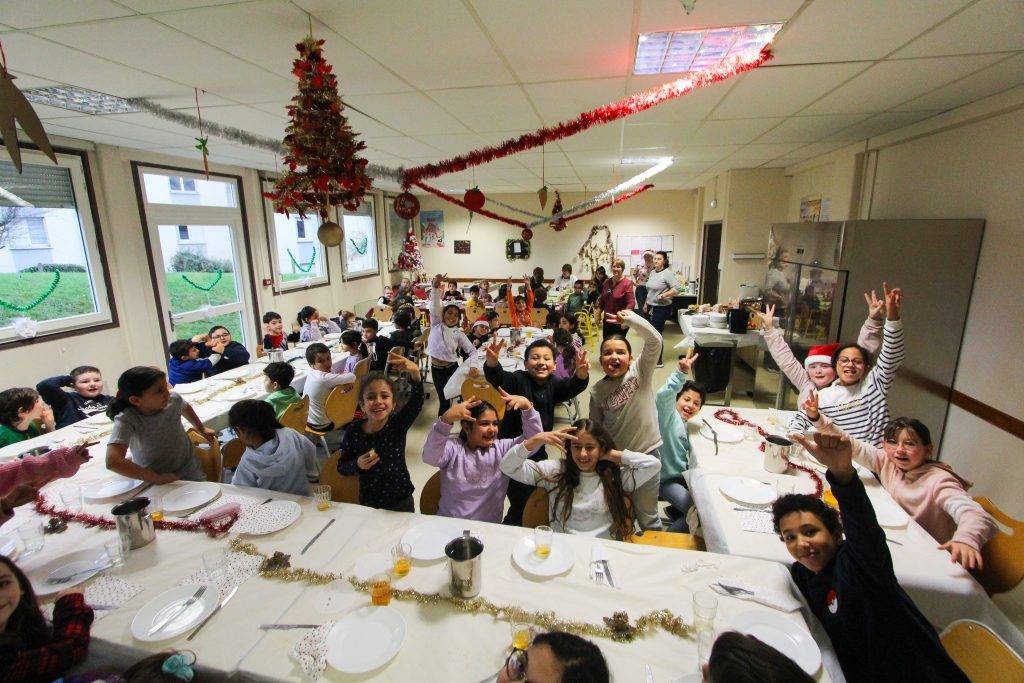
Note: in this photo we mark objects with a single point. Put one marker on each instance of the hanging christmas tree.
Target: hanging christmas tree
(410, 259)
(324, 168)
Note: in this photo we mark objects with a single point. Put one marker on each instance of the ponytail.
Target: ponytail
(304, 314)
(133, 382)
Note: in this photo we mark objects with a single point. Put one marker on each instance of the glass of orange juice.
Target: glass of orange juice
(156, 507)
(542, 537)
(322, 496)
(522, 635)
(401, 557)
(380, 589)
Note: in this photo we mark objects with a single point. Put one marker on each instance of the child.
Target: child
(184, 364)
(21, 479)
(275, 457)
(322, 376)
(876, 630)
(233, 355)
(739, 658)
(352, 342)
(485, 292)
(593, 292)
(445, 339)
(346, 320)
(535, 281)
(385, 298)
(374, 447)
(568, 323)
(277, 381)
(520, 309)
(402, 337)
(565, 281)
(677, 402)
(574, 304)
(375, 346)
(566, 349)
(415, 328)
(85, 399)
(147, 418)
(623, 401)
(313, 327)
(479, 333)
(930, 492)
(472, 485)
(23, 416)
(274, 337)
(537, 382)
(30, 650)
(857, 400)
(451, 291)
(589, 490)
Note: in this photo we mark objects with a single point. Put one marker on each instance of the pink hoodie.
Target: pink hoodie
(57, 464)
(933, 494)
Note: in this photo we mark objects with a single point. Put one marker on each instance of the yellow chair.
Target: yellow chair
(208, 454)
(474, 309)
(361, 368)
(231, 454)
(585, 323)
(344, 487)
(430, 496)
(668, 539)
(482, 389)
(535, 513)
(1003, 554)
(504, 316)
(980, 653)
(382, 313)
(340, 406)
(539, 316)
(295, 415)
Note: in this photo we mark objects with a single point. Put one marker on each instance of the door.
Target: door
(711, 253)
(198, 255)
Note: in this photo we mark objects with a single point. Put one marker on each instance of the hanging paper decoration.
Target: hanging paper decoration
(407, 205)
(556, 210)
(203, 140)
(203, 288)
(542, 195)
(527, 234)
(23, 308)
(305, 268)
(321, 143)
(14, 108)
(410, 259)
(593, 251)
(27, 328)
(474, 199)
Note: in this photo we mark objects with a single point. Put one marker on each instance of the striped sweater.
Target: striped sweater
(861, 410)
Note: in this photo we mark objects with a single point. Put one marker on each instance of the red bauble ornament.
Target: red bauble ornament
(406, 205)
(474, 199)
(527, 234)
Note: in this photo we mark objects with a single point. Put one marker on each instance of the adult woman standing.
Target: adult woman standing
(662, 285)
(616, 295)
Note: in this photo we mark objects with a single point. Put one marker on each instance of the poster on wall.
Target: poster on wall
(397, 229)
(461, 246)
(810, 209)
(631, 248)
(432, 228)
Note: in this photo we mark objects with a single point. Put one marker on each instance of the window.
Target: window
(52, 269)
(359, 250)
(397, 229)
(180, 184)
(297, 258)
(182, 233)
(186, 190)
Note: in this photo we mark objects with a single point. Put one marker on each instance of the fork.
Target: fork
(94, 569)
(178, 612)
(734, 590)
(597, 570)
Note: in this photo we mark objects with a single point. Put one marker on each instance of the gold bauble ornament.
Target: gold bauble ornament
(330, 234)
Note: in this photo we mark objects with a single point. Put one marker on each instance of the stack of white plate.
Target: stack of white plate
(699, 320)
(718, 320)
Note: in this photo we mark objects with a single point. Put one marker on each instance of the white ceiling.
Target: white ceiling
(428, 79)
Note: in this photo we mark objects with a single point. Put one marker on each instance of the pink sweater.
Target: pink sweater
(933, 494)
(37, 470)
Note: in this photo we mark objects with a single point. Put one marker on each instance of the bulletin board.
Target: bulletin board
(631, 248)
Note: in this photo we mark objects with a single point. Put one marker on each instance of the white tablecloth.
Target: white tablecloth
(943, 590)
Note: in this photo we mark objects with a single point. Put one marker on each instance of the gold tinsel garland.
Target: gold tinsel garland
(617, 627)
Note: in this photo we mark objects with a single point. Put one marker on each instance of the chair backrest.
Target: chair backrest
(295, 415)
(231, 453)
(430, 496)
(340, 406)
(485, 391)
(535, 513)
(361, 368)
(1003, 555)
(400, 350)
(382, 313)
(539, 316)
(344, 487)
(504, 316)
(474, 309)
(208, 454)
(980, 653)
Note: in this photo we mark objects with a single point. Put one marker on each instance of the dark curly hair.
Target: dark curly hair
(802, 502)
(14, 400)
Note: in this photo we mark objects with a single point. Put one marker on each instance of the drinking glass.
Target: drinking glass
(322, 495)
(705, 606)
(31, 534)
(380, 590)
(156, 507)
(542, 537)
(117, 552)
(773, 417)
(522, 635)
(71, 496)
(750, 433)
(401, 557)
(215, 562)
(705, 641)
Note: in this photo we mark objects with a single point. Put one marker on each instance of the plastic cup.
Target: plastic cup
(322, 496)
(705, 607)
(116, 551)
(542, 537)
(401, 558)
(215, 562)
(31, 535)
(522, 635)
(156, 507)
(71, 496)
(380, 590)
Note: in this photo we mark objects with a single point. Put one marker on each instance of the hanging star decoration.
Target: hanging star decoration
(15, 109)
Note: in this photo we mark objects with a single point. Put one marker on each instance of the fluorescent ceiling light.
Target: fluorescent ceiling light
(695, 49)
(79, 99)
(626, 161)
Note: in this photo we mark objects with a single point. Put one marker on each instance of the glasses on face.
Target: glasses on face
(515, 665)
(843, 360)
(221, 335)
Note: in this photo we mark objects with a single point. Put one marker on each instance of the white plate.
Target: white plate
(428, 540)
(97, 419)
(237, 394)
(69, 563)
(167, 602)
(269, 517)
(689, 678)
(889, 513)
(503, 332)
(333, 336)
(785, 635)
(558, 562)
(236, 373)
(533, 331)
(190, 496)
(509, 364)
(111, 487)
(747, 490)
(8, 546)
(365, 640)
(191, 387)
(726, 433)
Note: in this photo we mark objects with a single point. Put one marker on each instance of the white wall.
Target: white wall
(757, 198)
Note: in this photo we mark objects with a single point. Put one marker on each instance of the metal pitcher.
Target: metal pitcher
(513, 336)
(275, 356)
(464, 565)
(776, 454)
(133, 522)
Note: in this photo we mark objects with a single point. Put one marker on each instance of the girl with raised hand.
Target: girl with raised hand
(678, 401)
(444, 342)
(590, 490)
(472, 484)
(623, 401)
(374, 447)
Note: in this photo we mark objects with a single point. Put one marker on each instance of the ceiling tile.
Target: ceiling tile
(810, 128)
(58, 127)
(639, 135)
(491, 109)
(46, 113)
(782, 90)
(404, 147)
(710, 153)
(880, 123)
(455, 144)
(142, 128)
(764, 152)
(248, 119)
(733, 131)
(694, 106)
(147, 6)
(889, 83)
(664, 15)
(410, 113)
(608, 136)
(987, 26)
(565, 100)
(840, 30)
(34, 13)
(994, 79)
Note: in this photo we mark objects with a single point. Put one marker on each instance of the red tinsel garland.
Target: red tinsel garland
(730, 416)
(213, 527)
(634, 104)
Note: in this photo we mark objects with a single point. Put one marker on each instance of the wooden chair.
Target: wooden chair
(295, 415)
(340, 406)
(361, 368)
(668, 539)
(474, 309)
(208, 454)
(231, 454)
(344, 487)
(980, 653)
(483, 390)
(504, 316)
(382, 313)
(535, 513)
(1003, 554)
(430, 496)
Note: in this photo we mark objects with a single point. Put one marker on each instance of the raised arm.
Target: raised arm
(517, 465)
(893, 352)
(635, 469)
(435, 301)
(52, 392)
(864, 453)
(780, 351)
(67, 647)
(652, 342)
(439, 448)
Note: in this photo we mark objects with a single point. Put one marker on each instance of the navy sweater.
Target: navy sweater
(70, 406)
(235, 355)
(877, 631)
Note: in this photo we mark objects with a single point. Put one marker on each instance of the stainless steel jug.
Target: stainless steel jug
(776, 453)
(464, 565)
(275, 356)
(133, 522)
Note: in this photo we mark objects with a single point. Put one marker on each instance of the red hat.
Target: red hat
(482, 320)
(820, 354)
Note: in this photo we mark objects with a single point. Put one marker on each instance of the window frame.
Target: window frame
(346, 276)
(77, 163)
(279, 286)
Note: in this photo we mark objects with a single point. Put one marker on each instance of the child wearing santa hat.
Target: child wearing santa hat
(480, 331)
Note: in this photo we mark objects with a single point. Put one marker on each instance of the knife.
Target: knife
(313, 540)
(649, 673)
(608, 573)
(286, 627)
(227, 598)
(713, 433)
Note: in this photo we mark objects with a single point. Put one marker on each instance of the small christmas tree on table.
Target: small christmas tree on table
(322, 144)
(410, 259)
